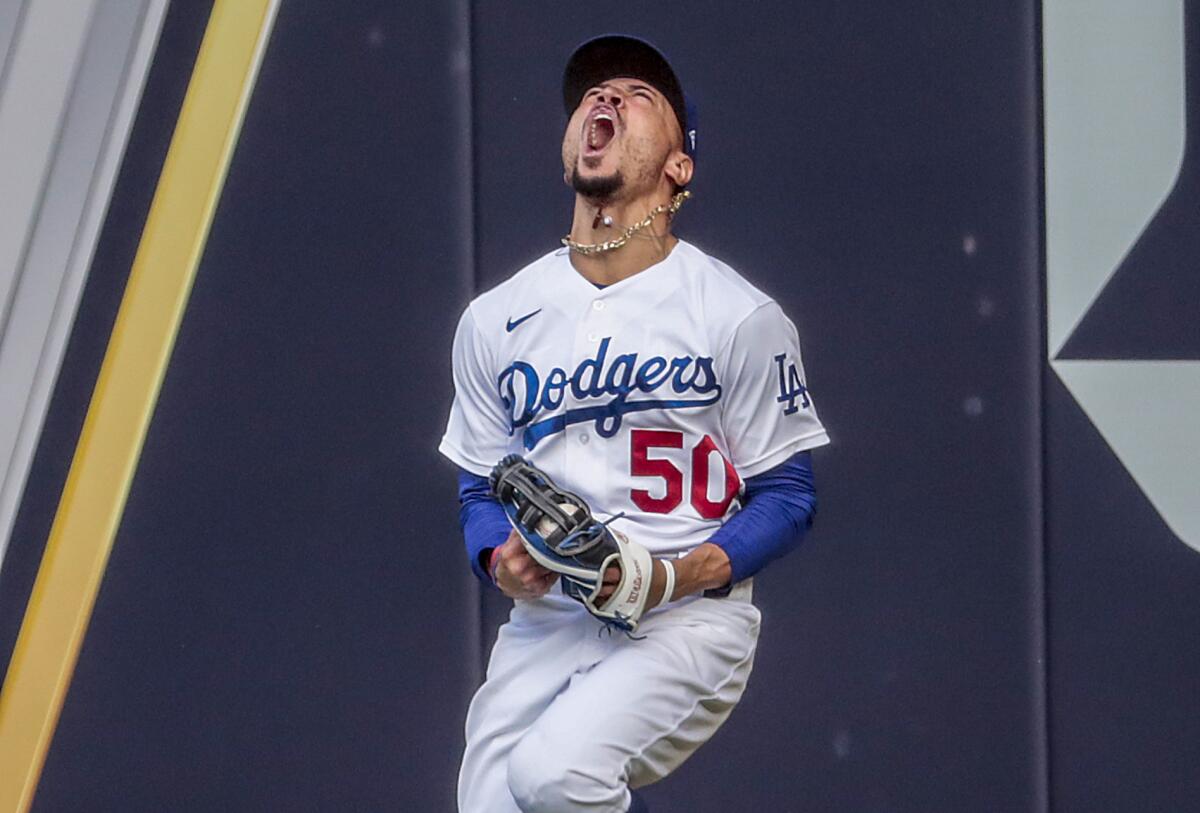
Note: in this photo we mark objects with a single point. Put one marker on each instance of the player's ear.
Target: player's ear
(679, 168)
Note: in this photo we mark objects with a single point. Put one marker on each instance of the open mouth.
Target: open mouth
(599, 130)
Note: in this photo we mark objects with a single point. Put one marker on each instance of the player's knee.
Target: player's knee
(531, 777)
(542, 780)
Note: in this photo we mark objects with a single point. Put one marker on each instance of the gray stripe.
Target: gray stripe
(64, 224)
(11, 14)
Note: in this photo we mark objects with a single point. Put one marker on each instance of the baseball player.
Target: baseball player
(668, 393)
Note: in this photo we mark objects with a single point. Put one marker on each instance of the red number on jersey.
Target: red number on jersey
(700, 501)
(642, 465)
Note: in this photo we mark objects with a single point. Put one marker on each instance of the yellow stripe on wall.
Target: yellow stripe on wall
(126, 391)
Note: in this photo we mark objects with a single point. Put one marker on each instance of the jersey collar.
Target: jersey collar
(647, 283)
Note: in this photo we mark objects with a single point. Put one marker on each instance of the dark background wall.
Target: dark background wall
(287, 621)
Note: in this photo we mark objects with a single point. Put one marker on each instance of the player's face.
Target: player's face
(619, 140)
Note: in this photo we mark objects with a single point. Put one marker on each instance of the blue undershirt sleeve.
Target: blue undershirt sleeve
(778, 507)
(484, 523)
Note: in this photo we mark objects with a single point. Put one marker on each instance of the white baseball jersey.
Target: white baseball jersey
(655, 397)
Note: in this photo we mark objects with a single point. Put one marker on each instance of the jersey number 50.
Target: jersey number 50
(642, 465)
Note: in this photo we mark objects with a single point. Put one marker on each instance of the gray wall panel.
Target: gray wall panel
(11, 14)
(37, 89)
(1122, 113)
(63, 227)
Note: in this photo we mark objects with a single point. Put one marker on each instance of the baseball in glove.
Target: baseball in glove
(561, 534)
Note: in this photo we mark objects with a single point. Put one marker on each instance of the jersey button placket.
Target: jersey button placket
(574, 452)
(592, 329)
(593, 322)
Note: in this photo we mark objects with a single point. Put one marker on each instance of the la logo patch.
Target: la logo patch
(790, 386)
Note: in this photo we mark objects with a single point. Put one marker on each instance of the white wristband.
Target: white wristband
(669, 588)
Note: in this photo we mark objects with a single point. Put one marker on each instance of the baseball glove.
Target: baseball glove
(561, 534)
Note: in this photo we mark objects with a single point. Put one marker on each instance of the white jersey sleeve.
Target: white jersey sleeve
(477, 433)
(768, 413)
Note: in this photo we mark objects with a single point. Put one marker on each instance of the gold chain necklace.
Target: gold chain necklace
(608, 245)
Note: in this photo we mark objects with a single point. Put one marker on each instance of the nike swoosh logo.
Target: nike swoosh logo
(512, 324)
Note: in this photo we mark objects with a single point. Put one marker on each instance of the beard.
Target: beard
(600, 189)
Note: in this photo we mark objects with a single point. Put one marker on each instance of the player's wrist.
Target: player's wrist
(707, 567)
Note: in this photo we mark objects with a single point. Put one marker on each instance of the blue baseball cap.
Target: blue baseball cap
(612, 55)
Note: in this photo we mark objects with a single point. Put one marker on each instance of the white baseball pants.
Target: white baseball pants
(570, 716)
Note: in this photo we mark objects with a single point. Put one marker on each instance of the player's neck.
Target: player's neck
(647, 247)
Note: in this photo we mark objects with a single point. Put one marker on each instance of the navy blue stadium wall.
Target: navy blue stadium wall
(287, 621)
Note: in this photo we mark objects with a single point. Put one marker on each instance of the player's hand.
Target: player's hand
(518, 575)
(612, 577)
